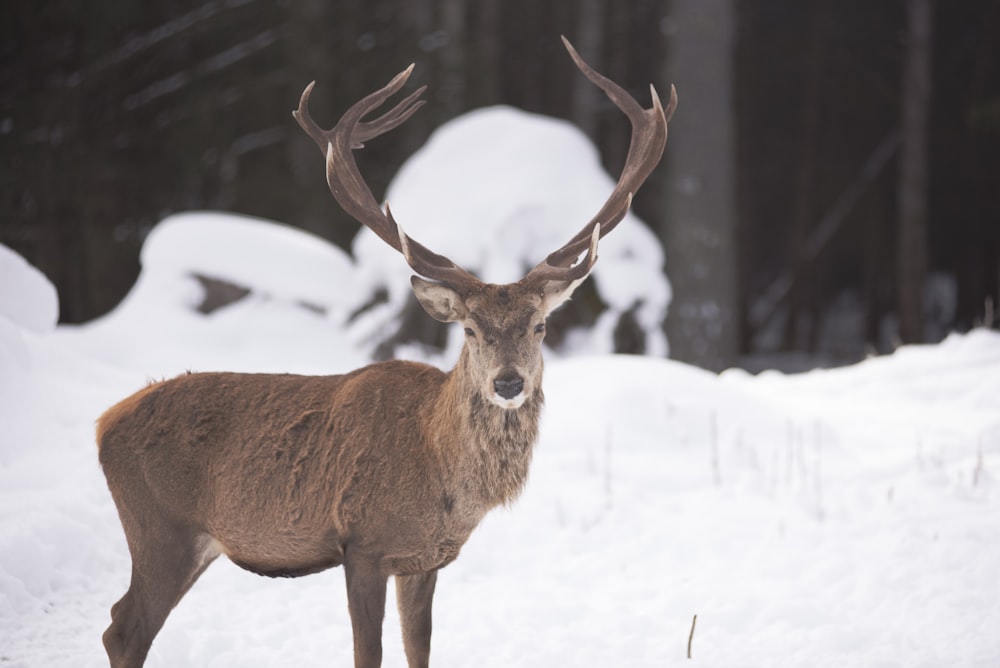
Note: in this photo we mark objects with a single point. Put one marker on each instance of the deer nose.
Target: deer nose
(508, 384)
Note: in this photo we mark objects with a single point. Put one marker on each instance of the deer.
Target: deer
(385, 470)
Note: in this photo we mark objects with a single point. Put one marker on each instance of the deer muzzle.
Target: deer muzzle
(508, 384)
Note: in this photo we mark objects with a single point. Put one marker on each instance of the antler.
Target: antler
(349, 187)
(649, 137)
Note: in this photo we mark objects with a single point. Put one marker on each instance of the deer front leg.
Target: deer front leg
(414, 594)
(366, 603)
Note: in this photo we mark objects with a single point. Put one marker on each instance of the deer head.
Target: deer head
(504, 324)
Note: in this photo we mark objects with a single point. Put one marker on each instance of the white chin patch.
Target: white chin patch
(513, 402)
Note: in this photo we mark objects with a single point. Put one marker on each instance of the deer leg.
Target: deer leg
(366, 586)
(166, 561)
(414, 594)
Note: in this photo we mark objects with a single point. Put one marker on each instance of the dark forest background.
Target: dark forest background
(831, 185)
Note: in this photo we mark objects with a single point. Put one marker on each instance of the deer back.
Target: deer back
(278, 465)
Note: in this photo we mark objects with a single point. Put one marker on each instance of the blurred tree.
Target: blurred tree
(588, 41)
(964, 215)
(802, 321)
(699, 223)
(915, 101)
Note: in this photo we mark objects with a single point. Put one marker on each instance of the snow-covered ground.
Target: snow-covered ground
(842, 517)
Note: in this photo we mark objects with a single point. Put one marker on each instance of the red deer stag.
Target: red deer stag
(387, 469)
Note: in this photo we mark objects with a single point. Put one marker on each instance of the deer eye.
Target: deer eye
(539, 328)
(469, 332)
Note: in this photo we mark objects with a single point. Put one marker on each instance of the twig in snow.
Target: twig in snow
(818, 433)
(920, 452)
(979, 463)
(790, 451)
(694, 620)
(714, 438)
(608, 442)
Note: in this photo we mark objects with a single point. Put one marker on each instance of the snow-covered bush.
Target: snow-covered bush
(498, 189)
(236, 293)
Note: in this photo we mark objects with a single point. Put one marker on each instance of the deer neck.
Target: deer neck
(491, 448)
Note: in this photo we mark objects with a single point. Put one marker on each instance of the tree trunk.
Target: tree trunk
(588, 42)
(916, 107)
(451, 63)
(699, 228)
(801, 298)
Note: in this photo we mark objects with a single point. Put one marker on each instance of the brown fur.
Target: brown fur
(278, 465)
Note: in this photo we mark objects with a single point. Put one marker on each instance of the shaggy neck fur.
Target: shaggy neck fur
(497, 442)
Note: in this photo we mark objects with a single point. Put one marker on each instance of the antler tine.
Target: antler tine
(390, 119)
(545, 272)
(349, 187)
(649, 137)
(429, 264)
(358, 131)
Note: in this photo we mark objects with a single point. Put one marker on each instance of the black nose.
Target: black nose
(508, 385)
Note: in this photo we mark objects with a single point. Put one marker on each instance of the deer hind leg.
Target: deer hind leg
(414, 595)
(166, 561)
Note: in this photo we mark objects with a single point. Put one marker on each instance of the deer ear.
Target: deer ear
(557, 293)
(441, 302)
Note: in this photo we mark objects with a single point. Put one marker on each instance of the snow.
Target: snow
(26, 297)
(300, 297)
(841, 517)
(848, 517)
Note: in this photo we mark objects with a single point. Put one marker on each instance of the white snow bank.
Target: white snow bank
(29, 305)
(27, 297)
(301, 290)
(927, 393)
(272, 260)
